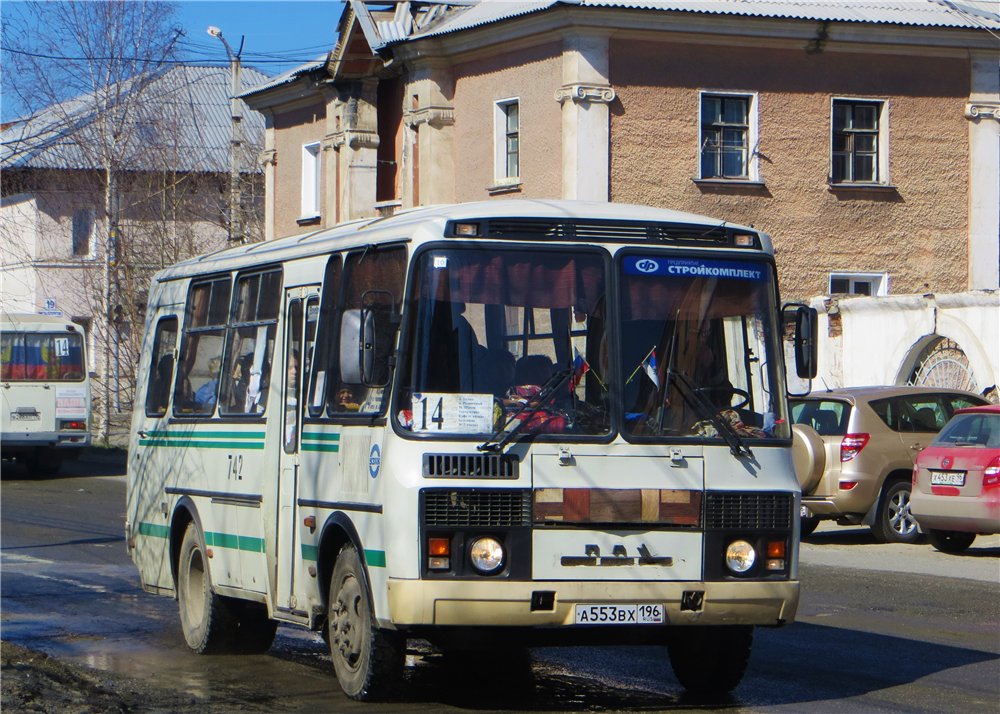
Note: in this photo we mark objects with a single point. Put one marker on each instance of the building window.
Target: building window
(728, 136)
(310, 181)
(83, 232)
(858, 147)
(859, 284)
(507, 141)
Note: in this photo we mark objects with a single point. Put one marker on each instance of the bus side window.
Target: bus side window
(250, 347)
(373, 283)
(161, 368)
(204, 333)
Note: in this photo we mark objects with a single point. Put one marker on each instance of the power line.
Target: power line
(220, 62)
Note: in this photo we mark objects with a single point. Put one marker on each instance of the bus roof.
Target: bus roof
(28, 322)
(403, 224)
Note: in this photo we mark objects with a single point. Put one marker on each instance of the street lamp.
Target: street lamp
(236, 141)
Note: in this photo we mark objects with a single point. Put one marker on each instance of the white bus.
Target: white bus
(46, 391)
(492, 425)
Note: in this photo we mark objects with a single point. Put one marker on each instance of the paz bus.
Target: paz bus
(489, 425)
(46, 391)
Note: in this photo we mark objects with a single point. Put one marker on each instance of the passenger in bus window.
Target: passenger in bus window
(206, 394)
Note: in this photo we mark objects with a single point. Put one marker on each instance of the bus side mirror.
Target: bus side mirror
(377, 329)
(805, 338)
(351, 348)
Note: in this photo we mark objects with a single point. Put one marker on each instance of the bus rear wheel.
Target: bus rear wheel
(710, 660)
(207, 619)
(368, 661)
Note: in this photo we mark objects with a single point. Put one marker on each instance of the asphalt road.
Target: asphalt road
(881, 628)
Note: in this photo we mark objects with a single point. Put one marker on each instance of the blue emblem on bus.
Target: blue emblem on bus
(374, 460)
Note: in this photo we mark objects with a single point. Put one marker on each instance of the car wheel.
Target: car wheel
(808, 525)
(207, 619)
(709, 660)
(893, 522)
(950, 541)
(368, 660)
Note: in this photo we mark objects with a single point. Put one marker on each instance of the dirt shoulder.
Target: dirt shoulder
(34, 682)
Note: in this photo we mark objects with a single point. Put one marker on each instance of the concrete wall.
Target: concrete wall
(864, 341)
(532, 75)
(917, 233)
(294, 129)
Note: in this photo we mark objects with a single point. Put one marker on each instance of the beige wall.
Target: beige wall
(533, 75)
(917, 234)
(293, 129)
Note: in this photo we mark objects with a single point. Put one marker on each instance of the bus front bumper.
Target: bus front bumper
(495, 603)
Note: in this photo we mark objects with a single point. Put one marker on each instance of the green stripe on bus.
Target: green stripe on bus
(319, 436)
(196, 444)
(374, 558)
(234, 542)
(321, 447)
(154, 530)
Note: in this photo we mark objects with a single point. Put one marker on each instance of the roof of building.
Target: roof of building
(436, 18)
(287, 77)
(177, 119)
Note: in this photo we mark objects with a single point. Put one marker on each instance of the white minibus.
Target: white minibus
(485, 426)
(46, 391)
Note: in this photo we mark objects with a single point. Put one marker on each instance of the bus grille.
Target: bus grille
(748, 511)
(476, 508)
(486, 466)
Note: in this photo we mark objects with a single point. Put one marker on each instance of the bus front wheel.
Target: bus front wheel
(710, 660)
(207, 620)
(368, 661)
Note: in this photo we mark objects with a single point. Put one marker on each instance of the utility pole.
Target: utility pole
(236, 140)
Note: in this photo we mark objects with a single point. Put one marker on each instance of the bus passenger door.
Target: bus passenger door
(301, 315)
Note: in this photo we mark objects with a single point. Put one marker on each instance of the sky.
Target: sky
(277, 36)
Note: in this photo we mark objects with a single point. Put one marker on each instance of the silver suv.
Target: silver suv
(854, 450)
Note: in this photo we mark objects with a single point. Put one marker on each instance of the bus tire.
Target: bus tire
(368, 660)
(207, 619)
(256, 630)
(710, 660)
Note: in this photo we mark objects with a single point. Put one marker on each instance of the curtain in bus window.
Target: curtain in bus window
(543, 280)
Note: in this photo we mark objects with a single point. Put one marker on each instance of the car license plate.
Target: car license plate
(947, 478)
(629, 614)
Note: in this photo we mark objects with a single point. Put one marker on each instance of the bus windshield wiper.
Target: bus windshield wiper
(737, 445)
(544, 397)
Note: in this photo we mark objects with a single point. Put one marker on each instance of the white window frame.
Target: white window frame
(753, 134)
(91, 215)
(501, 177)
(879, 282)
(311, 173)
(882, 155)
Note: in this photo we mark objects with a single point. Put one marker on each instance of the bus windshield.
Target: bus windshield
(502, 339)
(699, 347)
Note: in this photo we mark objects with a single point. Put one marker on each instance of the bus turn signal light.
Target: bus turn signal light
(439, 553)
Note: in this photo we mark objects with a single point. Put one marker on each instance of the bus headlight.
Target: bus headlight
(740, 556)
(486, 554)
